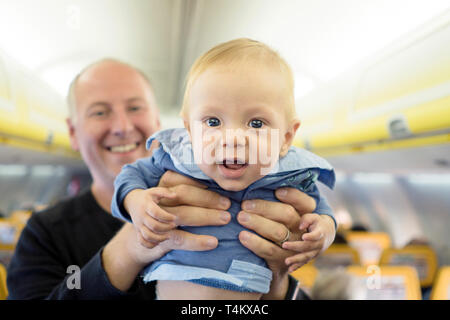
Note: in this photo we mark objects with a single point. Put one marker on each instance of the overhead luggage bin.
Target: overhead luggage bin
(396, 99)
(32, 115)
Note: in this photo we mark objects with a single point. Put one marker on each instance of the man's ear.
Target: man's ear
(72, 136)
(289, 137)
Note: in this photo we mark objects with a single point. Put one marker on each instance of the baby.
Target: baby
(240, 121)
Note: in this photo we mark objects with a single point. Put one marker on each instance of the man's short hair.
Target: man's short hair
(71, 97)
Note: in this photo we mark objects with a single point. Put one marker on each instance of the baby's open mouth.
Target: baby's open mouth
(234, 164)
(124, 148)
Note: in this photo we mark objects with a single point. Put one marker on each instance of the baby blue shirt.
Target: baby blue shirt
(230, 265)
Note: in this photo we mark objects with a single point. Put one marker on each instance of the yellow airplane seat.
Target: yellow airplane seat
(3, 287)
(388, 282)
(9, 234)
(306, 275)
(20, 216)
(337, 255)
(369, 245)
(441, 286)
(422, 258)
(10, 231)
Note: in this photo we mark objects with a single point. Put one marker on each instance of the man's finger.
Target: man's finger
(196, 216)
(182, 240)
(274, 211)
(268, 229)
(157, 193)
(299, 200)
(262, 248)
(301, 246)
(193, 196)
(171, 179)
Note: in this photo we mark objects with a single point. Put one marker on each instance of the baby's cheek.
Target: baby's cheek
(268, 151)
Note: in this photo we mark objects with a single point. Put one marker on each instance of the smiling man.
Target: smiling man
(112, 113)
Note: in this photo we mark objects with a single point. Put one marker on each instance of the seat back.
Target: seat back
(3, 287)
(9, 234)
(10, 231)
(422, 258)
(388, 282)
(369, 245)
(337, 255)
(20, 216)
(306, 275)
(441, 287)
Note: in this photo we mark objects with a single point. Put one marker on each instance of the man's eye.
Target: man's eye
(98, 113)
(255, 123)
(135, 108)
(213, 122)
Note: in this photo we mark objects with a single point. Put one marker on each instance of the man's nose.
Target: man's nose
(122, 124)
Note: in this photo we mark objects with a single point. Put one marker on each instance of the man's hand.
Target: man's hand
(270, 220)
(124, 257)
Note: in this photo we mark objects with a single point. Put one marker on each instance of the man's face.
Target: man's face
(115, 113)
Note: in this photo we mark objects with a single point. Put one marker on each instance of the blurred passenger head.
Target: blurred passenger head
(418, 241)
(340, 239)
(359, 227)
(113, 111)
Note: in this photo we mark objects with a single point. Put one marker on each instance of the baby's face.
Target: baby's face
(238, 125)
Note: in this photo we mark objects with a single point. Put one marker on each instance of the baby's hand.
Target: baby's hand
(151, 222)
(319, 236)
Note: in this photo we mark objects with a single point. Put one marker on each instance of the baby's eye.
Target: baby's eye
(213, 122)
(256, 123)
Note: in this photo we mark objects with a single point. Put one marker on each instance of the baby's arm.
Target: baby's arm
(320, 230)
(151, 222)
(136, 199)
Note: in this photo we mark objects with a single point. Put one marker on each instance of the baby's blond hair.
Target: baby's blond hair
(234, 55)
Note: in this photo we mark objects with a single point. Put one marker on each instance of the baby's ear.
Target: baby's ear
(188, 127)
(289, 137)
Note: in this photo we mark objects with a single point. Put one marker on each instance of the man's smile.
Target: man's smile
(124, 148)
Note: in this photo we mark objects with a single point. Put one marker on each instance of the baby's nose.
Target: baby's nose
(234, 139)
